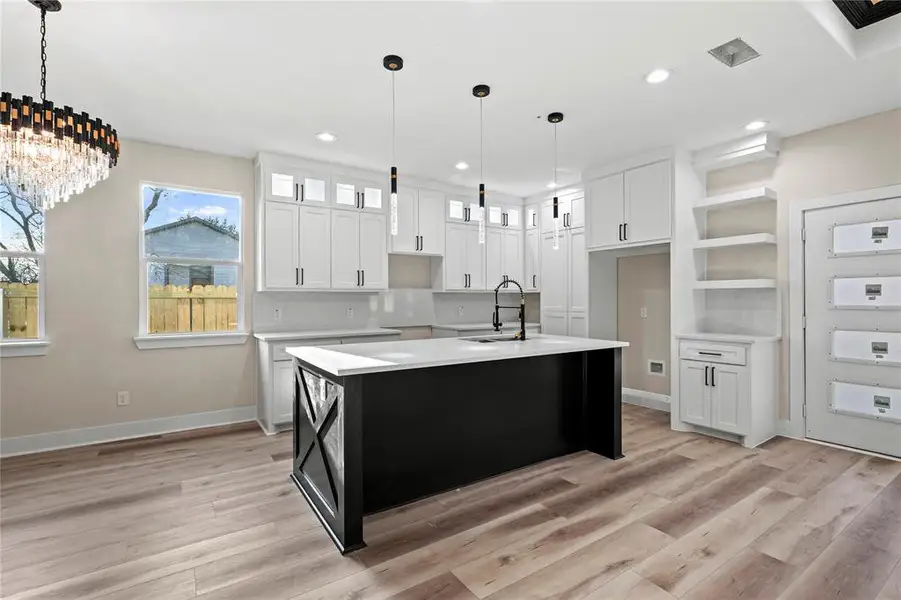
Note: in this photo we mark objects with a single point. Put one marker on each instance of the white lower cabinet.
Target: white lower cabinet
(275, 407)
(732, 389)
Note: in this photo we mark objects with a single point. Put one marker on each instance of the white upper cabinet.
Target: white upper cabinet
(464, 259)
(460, 210)
(293, 185)
(407, 239)
(494, 257)
(431, 222)
(575, 210)
(554, 273)
(648, 191)
(280, 253)
(532, 216)
(532, 249)
(345, 250)
(359, 250)
(373, 251)
(631, 207)
(315, 248)
(578, 271)
(420, 222)
(570, 212)
(513, 257)
(607, 205)
(354, 194)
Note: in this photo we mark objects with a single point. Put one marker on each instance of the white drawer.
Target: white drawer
(279, 351)
(714, 352)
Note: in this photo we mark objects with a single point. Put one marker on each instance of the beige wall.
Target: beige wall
(644, 281)
(857, 155)
(91, 279)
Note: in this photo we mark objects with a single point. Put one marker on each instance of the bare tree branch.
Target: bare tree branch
(157, 193)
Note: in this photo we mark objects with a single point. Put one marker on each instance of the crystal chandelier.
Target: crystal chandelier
(49, 153)
(481, 92)
(393, 63)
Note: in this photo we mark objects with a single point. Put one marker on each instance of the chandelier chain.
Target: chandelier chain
(43, 55)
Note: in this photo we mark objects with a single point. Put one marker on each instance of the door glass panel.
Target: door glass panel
(513, 217)
(313, 190)
(495, 215)
(282, 185)
(455, 209)
(345, 194)
(372, 197)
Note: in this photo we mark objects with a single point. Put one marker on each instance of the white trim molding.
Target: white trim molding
(10, 349)
(189, 340)
(71, 438)
(795, 426)
(646, 399)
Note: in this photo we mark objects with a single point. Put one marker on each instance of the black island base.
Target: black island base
(367, 442)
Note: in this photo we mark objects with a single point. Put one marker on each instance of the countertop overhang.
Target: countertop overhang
(360, 359)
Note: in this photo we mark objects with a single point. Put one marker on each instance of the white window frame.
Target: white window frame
(29, 346)
(151, 341)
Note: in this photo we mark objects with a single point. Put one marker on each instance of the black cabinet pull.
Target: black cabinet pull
(301, 276)
(625, 232)
(358, 277)
(362, 199)
(296, 191)
(301, 193)
(417, 243)
(705, 374)
(421, 243)
(712, 376)
(710, 353)
(620, 232)
(296, 276)
(363, 280)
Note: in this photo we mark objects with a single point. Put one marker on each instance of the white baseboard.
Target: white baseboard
(646, 399)
(71, 438)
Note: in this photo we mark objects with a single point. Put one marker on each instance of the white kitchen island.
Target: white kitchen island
(383, 424)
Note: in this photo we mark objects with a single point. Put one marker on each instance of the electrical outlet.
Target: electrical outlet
(460, 310)
(123, 398)
(350, 312)
(644, 312)
(277, 314)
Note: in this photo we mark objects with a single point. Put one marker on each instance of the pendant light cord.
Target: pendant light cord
(393, 122)
(481, 145)
(43, 55)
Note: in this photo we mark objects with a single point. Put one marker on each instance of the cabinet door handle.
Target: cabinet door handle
(301, 276)
(625, 232)
(363, 280)
(297, 191)
(705, 374)
(358, 277)
(421, 243)
(705, 353)
(620, 232)
(417, 243)
(296, 276)
(712, 376)
(362, 199)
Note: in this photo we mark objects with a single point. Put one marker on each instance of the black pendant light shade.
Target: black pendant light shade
(555, 117)
(393, 62)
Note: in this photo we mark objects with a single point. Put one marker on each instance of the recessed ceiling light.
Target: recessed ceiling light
(462, 166)
(755, 125)
(551, 185)
(657, 76)
(325, 136)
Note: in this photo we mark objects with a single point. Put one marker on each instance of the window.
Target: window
(190, 262)
(21, 263)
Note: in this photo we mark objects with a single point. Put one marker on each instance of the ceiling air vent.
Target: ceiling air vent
(734, 53)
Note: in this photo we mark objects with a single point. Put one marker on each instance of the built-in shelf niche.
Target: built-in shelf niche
(753, 239)
(736, 284)
(735, 199)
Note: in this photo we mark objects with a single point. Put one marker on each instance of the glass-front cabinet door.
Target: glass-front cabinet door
(512, 216)
(293, 185)
(354, 194)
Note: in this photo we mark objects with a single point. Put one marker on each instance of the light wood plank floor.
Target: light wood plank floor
(213, 515)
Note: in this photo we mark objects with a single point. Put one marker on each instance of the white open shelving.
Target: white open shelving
(753, 239)
(736, 284)
(739, 198)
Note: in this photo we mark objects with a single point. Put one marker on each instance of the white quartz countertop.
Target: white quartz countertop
(512, 324)
(728, 337)
(280, 336)
(359, 359)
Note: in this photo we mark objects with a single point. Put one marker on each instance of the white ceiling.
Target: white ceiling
(243, 77)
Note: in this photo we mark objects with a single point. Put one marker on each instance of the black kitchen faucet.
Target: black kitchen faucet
(522, 308)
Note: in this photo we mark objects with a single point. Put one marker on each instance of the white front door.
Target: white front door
(851, 270)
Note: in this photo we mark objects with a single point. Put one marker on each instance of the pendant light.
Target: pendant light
(481, 92)
(50, 153)
(394, 64)
(555, 118)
